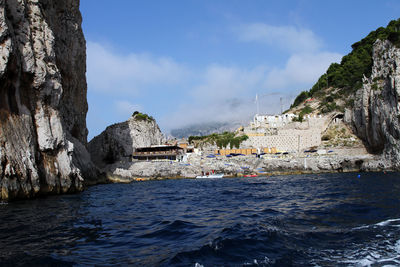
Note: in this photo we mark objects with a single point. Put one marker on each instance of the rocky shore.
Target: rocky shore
(243, 165)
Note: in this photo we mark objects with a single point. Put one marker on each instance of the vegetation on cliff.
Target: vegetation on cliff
(347, 76)
(142, 117)
(221, 140)
(306, 110)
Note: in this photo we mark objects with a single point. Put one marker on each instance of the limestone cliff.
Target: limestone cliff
(376, 113)
(117, 142)
(364, 88)
(42, 99)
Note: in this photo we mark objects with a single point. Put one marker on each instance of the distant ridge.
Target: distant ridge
(202, 129)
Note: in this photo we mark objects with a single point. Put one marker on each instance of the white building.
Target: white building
(272, 121)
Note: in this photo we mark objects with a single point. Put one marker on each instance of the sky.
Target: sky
(194, 61)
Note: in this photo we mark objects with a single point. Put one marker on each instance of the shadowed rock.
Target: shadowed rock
(376, 113)
(42, 99)
(118, 141)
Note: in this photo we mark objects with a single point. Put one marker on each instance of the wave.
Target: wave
(372, 255)
(387, 222)
(377, 244)
(383, 223)
(171, 230)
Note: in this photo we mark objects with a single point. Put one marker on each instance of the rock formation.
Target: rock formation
(42, 99)
(117, 142)
(376, 113)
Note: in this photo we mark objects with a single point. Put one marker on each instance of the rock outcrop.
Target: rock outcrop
(117, 142)
(42, 99)
(376, 113)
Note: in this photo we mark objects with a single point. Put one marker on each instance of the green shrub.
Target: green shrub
(329, 99)
(300, 99)
(328, 107)
(349, 103)
(306, 110)
(142, 117)
(298, 118)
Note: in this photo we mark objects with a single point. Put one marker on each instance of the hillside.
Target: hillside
(364, 89)
(335, 90)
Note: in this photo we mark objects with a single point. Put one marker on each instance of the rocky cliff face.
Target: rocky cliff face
(376, 113)
(42, 99)
(118, 141)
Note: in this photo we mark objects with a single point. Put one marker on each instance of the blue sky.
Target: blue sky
(193, 61)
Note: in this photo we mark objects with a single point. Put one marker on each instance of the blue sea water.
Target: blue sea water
(298, 220)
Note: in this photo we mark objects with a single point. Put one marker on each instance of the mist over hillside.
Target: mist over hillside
(202, 129)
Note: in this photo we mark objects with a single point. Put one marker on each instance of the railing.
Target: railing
(157, 153)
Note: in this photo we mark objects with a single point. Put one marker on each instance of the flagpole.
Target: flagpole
(258, 108)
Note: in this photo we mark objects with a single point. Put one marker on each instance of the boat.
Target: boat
(211, 176)
(251, 175)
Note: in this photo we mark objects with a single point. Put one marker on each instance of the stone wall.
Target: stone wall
(286, 140)
(293, 136)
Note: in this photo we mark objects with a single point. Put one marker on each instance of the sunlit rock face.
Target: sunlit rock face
(117, 142)
(376, 113)
(42, 99)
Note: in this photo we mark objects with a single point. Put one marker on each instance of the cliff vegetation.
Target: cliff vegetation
(341, 81)
(142, 117)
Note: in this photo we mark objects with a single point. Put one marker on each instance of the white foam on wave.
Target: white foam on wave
(361, 227)
(383, 250)
(383, 223)
(387, 222)
(369, 261)
(389, 256)
(265, 261)
(397, 246)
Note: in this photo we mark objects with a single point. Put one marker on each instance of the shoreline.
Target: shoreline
(272, 167)
(126, 172)
(126, 180)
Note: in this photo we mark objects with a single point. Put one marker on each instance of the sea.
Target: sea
(342, 219)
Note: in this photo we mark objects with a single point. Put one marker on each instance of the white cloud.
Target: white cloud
(301, 69)
(110, 72)
(287, 37)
